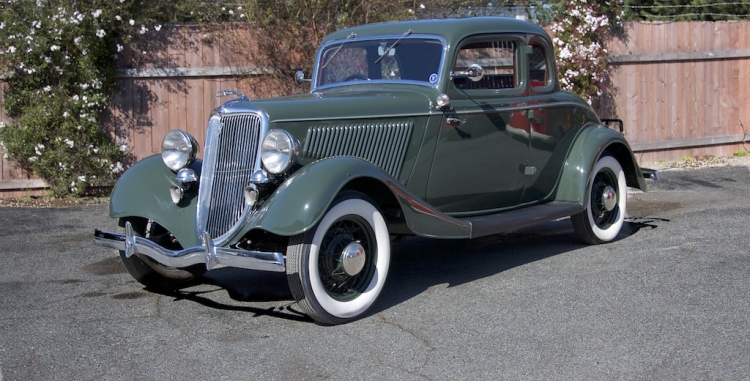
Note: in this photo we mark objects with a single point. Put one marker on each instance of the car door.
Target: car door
(551, 116)
(482, 148)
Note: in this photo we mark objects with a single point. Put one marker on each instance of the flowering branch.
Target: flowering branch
(582, 29)
(60, 56)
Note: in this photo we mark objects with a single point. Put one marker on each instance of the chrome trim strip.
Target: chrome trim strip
(213, 257)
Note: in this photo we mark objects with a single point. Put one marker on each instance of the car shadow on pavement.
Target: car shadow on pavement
(417, 264)
(420, 263)
(245, 286)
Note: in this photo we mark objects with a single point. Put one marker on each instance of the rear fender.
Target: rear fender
(143, 191)
(591, 144)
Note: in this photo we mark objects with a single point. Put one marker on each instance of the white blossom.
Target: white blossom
(123, 148)
(157, 28)
(143, 30)
(69, 143)
(11, 49)
(119, 48)
(33, 159)
(96, 13)
(38, 149)
(116, 168)
(131, 22)
(100, 33)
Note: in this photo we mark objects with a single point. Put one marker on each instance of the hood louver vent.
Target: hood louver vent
(383, 144)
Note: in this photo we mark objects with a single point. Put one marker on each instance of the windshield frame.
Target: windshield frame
(315, 87)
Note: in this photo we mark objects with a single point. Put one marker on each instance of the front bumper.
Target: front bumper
(212, 256)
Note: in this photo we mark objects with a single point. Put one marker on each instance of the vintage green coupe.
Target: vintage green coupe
(452, 128)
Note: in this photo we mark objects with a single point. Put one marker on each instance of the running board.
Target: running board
(520, 218)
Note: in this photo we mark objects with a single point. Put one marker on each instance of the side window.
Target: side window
(496, 57)
(539, 74)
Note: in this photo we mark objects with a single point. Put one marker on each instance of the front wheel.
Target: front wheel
(605, 212)
(152, 274)
(337, 269)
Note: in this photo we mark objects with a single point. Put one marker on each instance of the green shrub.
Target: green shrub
(59, 60)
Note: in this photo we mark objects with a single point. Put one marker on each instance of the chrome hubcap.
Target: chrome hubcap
(609, 198)
(353, 258)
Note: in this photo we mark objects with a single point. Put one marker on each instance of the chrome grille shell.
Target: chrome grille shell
(381, 143)
(232, 155)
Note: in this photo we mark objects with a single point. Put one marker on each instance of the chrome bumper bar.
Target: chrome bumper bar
(213, 257)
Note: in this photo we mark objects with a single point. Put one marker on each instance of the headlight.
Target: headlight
(278, 151)
(178, 149)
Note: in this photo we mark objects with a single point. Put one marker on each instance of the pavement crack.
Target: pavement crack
(426, 343)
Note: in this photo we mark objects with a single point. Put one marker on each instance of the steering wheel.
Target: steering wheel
(356, 77)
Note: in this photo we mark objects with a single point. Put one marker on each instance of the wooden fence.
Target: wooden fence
(681, 89)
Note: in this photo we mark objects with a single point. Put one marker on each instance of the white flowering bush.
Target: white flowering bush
(58, 58)
(581, 30)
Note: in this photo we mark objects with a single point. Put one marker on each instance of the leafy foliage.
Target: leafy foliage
(288, 32)
(58, 58)
(687, 10)
(582, 29)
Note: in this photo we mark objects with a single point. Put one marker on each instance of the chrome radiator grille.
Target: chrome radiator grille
(383, 144)
(231, 154)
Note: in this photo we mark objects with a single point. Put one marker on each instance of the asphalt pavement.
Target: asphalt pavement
(668, 300)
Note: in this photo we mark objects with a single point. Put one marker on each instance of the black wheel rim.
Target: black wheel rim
(337, 283)
(604, 218)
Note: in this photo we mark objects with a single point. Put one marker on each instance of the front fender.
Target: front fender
(143, 191)
(590, 144)
(302, 200)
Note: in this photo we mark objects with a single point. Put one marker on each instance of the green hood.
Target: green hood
(343, 102)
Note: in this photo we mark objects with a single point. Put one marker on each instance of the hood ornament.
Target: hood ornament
(225, 93)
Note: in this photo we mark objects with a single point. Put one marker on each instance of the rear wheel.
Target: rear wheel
(337, 269)
(151, 273)
(605, 212)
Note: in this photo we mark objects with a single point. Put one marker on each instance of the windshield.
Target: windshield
(391, 59)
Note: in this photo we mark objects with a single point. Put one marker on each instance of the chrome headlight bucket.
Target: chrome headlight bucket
(278, 152)
(178, 149)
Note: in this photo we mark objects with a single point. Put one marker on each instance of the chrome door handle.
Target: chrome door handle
(454, 121)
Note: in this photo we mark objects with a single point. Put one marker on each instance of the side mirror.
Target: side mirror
(475, 72)
(299, 77)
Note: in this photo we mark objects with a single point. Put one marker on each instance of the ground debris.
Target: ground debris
(51, 202)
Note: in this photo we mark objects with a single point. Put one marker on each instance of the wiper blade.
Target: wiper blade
(385, 52)
(351, 36)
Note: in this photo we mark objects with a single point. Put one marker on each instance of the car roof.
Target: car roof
(452, 29)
